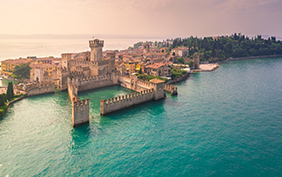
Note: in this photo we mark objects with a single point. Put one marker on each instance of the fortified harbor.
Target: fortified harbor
(89, 72)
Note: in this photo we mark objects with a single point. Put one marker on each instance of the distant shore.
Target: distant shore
(253, 57)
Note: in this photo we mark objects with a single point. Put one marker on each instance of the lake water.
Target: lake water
(15, 48)
(222, 123)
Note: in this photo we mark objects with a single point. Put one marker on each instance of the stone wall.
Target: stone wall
(93, 82)
(80, 109)
(40, 88)
(134, 84)
(80, 112)
(171, 89)
(125, 101)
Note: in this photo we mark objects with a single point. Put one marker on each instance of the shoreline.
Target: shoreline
(253, 57)
(11, 103)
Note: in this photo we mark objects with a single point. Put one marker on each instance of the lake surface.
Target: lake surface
(16, 48)
(222, 123)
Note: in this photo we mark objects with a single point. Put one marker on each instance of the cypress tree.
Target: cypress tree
(10, 91)
(1, 101)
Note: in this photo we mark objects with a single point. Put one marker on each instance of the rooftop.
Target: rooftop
(16, 61)
(155, 65)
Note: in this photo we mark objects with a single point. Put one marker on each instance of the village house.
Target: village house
(43, 72)
(180, 51)
(7, 66)
(129, 67)
(158, 69)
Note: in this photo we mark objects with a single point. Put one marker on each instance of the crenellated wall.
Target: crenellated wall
(72, 90)
(80, 109)
(171, 89)
(80, 112)
(40, 88)
(125, 101)
(93, 82)
(134, 84)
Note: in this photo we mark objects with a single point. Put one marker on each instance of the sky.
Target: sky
(154, 18)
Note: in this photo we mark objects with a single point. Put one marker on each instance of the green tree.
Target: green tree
(140, 71)
(4, 97)
(1, 101)
(22, 70)
(181, 60)
(10, 91)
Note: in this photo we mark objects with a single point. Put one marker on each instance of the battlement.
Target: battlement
(95, 78)
(37, 88)
(78, 104)
(80, 111)
(128, 96)
(96, 43)
(124, 101)
(79, 63)
(66, 56)
(111, 55)
(144, 83)
(39, 84)
(171, 89)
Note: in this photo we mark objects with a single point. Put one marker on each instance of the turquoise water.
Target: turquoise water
(222, 123)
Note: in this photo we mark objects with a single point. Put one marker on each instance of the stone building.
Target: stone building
(180, 51)
(196, 62)
(7, 66)
(43, 72)
(86, 65)
(146, 48)
(158, 69)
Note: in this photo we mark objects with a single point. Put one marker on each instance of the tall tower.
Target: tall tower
(146, 48)
(111, 59)
(196, 62)
(96, 50)
(66, 57)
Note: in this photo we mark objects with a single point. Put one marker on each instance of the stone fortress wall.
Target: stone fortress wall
(171, 89)
(80, 108)
(125, 101)
(40, 88)
(145, 91)
(93, 82)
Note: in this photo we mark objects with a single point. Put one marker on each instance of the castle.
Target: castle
(92, 71)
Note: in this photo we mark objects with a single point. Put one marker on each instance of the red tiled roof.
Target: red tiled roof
(16, 61)
(155, 65)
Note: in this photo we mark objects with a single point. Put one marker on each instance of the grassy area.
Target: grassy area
(177, 73)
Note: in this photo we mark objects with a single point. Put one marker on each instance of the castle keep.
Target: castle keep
(91, 71)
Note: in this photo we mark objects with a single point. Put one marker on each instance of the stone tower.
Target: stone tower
(111, 56)
(146, 48)
(96, 50)
(196, 62)
(158, 86)
(66, 57)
